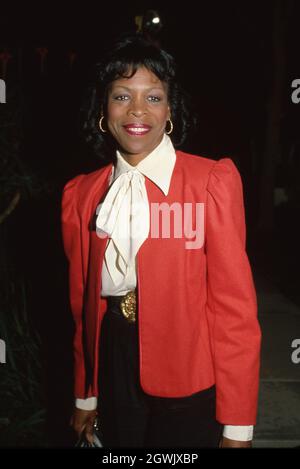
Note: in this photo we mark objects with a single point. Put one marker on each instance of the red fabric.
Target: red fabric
(197, 307)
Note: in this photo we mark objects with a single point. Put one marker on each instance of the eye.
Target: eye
(121, 97)
(154, 99)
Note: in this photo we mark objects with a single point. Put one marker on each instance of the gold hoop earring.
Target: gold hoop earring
(100, 125)
(171, 127)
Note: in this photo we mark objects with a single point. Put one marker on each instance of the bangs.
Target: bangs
(128, 70)
(127, 59)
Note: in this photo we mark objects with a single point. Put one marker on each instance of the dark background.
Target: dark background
(236, 59)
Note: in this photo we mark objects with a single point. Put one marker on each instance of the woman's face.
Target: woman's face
(137, 112)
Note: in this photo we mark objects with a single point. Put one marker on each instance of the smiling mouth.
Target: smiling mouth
(134, 129)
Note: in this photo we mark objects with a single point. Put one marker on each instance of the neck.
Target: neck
(133, 160)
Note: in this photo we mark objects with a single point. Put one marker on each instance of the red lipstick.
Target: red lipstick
(137, 129)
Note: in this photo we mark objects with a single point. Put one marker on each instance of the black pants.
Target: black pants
(131, 418)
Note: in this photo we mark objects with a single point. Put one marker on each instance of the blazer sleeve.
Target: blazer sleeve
(71, 234)
(231, 299)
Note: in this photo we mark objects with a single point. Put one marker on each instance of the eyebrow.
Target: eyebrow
(147, 89)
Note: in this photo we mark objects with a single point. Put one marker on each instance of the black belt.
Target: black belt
(127, 304)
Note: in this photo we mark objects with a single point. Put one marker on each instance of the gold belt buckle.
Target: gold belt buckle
(128, 306)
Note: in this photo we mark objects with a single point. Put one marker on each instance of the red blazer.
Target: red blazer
(197, 307)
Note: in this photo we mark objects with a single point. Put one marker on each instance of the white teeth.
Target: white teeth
(137, 130)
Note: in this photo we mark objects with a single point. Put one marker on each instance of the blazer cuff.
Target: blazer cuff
(86, 404)
(238, 432)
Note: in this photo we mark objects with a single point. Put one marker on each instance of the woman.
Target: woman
(167, 340)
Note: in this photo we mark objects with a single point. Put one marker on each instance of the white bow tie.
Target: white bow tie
(124, 216)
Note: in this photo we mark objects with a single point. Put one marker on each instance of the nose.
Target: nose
(137, 107)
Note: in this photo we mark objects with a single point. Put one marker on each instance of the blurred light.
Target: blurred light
(152, 23)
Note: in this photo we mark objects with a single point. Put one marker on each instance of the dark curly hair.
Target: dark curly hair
(123, 60)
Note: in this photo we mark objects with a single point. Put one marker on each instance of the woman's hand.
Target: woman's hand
(83, 421)
(227, 443)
